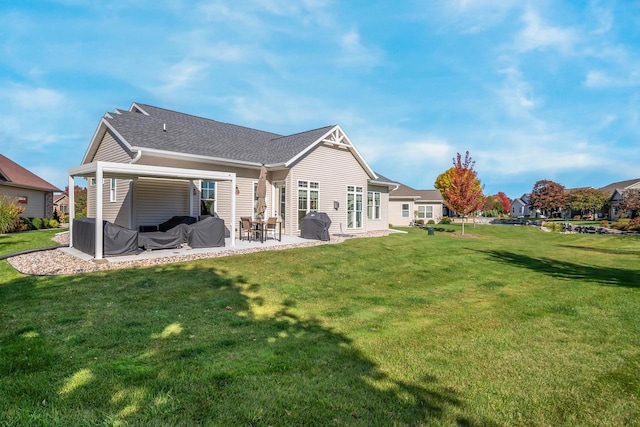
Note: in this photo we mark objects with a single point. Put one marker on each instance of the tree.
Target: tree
(548, 196)
(631, 201)
(586, 200)
(460, 187)
(505, 202)
(80, 200)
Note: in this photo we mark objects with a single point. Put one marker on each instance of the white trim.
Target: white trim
(348, 144)
(99, 135)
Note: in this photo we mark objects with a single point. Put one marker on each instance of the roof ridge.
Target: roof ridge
(206, 119)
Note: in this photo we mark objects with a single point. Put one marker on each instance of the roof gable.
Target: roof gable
(16, 176)
(156, 131)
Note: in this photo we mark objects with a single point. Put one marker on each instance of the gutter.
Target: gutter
(136, 158)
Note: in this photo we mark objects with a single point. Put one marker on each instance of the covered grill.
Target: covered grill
(315, 225)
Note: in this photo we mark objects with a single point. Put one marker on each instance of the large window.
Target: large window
(405, 210)
(354, 206)
(208, 198)
(308, 198)
(425, 212)
(373, 205)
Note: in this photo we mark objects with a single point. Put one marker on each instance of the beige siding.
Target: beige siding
(395, 213)
(383, 222)
(334, 169)
(35, 206)
(157, 200)
(111, 150)
(118, 212)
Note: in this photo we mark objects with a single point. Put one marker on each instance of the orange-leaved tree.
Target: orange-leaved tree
(460, 187)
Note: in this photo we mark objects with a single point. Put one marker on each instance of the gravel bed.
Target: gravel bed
(55, 261)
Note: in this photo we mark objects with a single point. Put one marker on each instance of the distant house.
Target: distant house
(520, 207)
(407, 204)
(29, 191)
(61, 205)
(616, 190)
(147, 164)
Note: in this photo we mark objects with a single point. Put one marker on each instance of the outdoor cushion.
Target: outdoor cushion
(176, 220)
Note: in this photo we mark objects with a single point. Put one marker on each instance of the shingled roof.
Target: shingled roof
(406, 192)
(620, 186)
(148, 127)
(14, 175)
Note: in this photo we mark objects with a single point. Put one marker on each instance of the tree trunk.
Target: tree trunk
(463, 225)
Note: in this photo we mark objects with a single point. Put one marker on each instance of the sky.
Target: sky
(532, 89)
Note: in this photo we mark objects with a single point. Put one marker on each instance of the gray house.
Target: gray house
(616, 190)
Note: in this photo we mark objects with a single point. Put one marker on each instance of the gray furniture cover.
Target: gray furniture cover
(315, 225)
(176, 220)
(169, 239)
(206, 233)
(117, 240)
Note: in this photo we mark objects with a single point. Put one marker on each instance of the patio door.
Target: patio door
(281, 204)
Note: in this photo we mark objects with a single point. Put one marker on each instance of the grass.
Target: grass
(15, 242)
(512, 326)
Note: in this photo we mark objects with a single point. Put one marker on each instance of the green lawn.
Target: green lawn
(512, 326)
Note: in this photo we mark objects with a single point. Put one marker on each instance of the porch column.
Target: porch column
(233, 211)
(99, 227)
(72, 208)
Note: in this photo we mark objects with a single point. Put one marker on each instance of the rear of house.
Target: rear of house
(317, 170)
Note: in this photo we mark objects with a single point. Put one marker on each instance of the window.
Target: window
(92, 182)
(354, 206)
(373, 205)
(23, 200)
(112, 190)
(308, 198)
(405, 210)
(63, 208)
(207, 197)
(425, 212)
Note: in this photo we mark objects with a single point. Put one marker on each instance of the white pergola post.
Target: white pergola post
(72, 208)
(232, 227)
(99, 229)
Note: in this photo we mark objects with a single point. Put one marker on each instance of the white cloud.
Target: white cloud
(471, 16)
(516, 94)
(355, 53)
(537, 35)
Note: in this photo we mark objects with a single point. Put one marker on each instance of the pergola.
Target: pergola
(100, 170)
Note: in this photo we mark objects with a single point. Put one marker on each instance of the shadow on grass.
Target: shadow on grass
(608, 276)
(603, 250)
(184, 345)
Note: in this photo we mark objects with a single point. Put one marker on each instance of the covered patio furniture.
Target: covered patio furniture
(169, 239)
(117, 240)
(207, 233)
(315, 225)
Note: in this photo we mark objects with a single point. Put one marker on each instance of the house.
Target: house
(147, 164)
(616, 190)
(520, 207)
(30, 191)
(407, 205)
(61, 205)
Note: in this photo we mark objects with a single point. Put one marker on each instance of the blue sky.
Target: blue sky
(534, 90)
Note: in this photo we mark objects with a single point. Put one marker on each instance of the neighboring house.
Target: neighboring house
(407, 204)
(151, 163)
(29, 191)
(61, 205)
(616, 190)
(520, 207)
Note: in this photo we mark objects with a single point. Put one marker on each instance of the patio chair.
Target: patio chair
(246, 227)
(271, 227)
